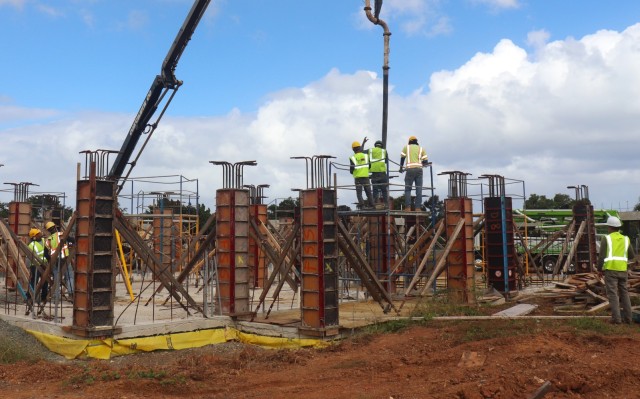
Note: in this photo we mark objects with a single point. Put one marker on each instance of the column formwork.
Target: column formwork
(232, 252)
(460, 272)
(94, 288)
(499, 244)
(319, 253)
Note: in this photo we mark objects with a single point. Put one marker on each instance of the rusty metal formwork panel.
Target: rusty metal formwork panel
(163, 237)
(318, 215)
(460, 273)
(19, 223)
(586, 255)
(382, 250)
(94, 292)
(499, 244)
(232, 251)
(257, 261)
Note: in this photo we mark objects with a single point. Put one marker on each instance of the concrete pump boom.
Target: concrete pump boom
(162, 83)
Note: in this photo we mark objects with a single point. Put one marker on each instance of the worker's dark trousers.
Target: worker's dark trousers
(413, 176)
(34, 278)
(363, 182)
(616, 284)
(379, 182)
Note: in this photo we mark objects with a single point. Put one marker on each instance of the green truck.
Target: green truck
(544, 232)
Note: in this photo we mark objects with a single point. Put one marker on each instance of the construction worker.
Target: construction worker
(359, 168)
(615, 252)
(52, 242)
(416, 158)
(37, 246)
(378, 169)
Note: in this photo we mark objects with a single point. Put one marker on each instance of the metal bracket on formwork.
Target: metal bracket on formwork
(581, 192)
(94, 293)
(232, 176)
(499, 237)
(496, 185)
(21, 191)
(457, 183)
(101, 160)
(459, 231)
(257, 213)
(585, 246)
(256, 193)
(318, 170)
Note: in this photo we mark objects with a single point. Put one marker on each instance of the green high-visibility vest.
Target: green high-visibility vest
(377, 157)
(415, 155)
(37, 247)
(617, 247)
(361, 162)
(55, 241)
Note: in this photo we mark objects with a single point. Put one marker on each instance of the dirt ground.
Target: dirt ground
(578, 358)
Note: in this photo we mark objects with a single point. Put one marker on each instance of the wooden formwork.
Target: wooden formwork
(257, 261)
(319, 252)
(460, 271)
(499, 244)
(232, 251)
(94, 293)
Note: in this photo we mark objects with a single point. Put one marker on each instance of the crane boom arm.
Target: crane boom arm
(161, 84)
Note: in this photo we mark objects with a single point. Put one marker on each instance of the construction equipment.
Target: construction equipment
(162, 84)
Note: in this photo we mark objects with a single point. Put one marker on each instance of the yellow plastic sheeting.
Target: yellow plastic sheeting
(280, 343)
(69, 348)
(108, 348)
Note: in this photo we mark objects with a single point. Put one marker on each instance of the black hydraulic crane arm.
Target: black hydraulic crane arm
(161, 85)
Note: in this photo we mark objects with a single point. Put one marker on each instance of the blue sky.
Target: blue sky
(531, 90)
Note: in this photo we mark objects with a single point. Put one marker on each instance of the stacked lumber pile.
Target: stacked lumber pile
(585, 292)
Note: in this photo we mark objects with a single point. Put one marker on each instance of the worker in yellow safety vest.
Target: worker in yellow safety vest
(378, 169)
(416, 158)
(359, 168)
(52, 243)
(37, 246)
(615, 252)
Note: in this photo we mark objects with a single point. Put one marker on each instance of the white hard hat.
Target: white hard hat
(614, 222)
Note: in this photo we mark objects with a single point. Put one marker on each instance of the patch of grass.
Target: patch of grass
(442, 305)
(390, 326)
(84, 377)
(110, 376)
(151, 374)
(592, 325)
(508, 328)
(11, 353)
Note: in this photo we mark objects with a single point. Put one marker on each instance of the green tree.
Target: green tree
(4, 210)
(637, 207)
(178, 207)
(559, 201)
(47, 202)
(284, 208)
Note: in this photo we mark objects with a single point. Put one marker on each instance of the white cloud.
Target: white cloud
(566, 115)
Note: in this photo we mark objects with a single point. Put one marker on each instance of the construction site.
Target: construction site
(140, 271)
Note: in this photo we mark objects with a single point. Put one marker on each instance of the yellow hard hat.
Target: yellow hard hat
(34, 232)
(49, 225)
(412, 138)
(355, 144)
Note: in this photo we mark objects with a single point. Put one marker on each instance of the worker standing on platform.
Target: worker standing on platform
(378, 169)
(37, 246)
(359, 168)
(52, 243)
(615, 252)
(416, 158)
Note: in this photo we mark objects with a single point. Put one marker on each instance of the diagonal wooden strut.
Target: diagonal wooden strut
(359, 264)
(166, 278)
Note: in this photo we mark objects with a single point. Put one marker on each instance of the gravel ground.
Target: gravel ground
(16, 344)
